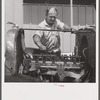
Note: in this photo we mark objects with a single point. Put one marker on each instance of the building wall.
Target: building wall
(13, 12)
(29, 15)
(82, 14)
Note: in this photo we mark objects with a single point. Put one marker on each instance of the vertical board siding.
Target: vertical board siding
(82, 15)
(60, 13)
(94, 16)
(66, 15)
(42, 12)
(75, 16)
(35, 15)
(26, 15)
(89, 15)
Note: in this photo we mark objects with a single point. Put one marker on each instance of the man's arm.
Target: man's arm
(63, 26)
(66, 27)
(37, 41)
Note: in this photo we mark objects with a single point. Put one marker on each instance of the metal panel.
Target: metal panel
(65, 42)
(14, 50)
(73, 37)
(29, 39)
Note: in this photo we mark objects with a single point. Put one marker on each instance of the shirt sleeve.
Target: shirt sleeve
(40, 33)
(60, 24)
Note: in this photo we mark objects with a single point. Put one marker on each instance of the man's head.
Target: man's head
(51, 15)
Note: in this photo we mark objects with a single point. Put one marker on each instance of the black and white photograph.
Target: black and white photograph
(50, 50)
(49, 41)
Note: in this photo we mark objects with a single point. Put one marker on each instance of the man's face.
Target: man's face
(51, 17)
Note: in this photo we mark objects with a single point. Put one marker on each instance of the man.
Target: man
(50, 40)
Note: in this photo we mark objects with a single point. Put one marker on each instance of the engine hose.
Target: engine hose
(84, 55)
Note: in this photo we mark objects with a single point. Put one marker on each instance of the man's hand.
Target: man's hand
(42, 47)
(37, 41)
(74, 30)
